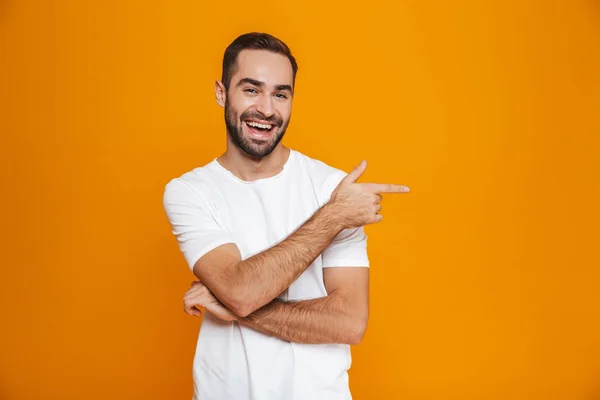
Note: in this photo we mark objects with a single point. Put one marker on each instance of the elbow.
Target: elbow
(355, 338)
(357, 332)
(236, 300)
(241, 310)
(241, 306)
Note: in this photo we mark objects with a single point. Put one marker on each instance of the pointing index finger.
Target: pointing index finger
(389, 188)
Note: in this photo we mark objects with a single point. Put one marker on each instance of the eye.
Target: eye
(281, 96)
(250, 90)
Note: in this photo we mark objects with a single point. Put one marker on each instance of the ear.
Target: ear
(220, 93)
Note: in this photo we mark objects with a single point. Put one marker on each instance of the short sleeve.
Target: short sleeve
(192, 221)
(348, 249)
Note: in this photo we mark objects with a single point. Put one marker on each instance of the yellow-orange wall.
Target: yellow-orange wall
(485, 281)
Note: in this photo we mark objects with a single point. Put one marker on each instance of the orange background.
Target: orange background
(485, 283)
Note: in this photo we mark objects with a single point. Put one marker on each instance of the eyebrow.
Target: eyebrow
(260, 84)
(282, 88)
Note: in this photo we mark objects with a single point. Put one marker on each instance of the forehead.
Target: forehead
(265, 66)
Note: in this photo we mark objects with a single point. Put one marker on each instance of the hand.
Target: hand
(199, 296)
(357, 204)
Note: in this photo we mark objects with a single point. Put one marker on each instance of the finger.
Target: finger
(388, 188)
(190, 305)
(193, 291)
(187, 307)
(193, 312)
(196, 312)
(197, 289)
(356, 172)
(193, 295)
(377, 208)
(190, 296)
(378, 198)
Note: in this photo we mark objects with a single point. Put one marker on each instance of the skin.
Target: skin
(265, 102)
(246, 291)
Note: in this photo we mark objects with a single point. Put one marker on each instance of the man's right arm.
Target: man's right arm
(244, 286)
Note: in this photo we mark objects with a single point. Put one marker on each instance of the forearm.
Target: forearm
(261, 278)
(328, 319)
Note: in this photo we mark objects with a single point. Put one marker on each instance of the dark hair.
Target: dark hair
(253, 41)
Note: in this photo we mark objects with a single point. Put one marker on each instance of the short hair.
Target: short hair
(253, 41)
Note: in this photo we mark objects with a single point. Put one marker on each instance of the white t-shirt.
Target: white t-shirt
(208, 207)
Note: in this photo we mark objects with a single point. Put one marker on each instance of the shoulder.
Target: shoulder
(325, 177)
(191, 186)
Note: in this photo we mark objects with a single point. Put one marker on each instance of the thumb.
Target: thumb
(356, 172)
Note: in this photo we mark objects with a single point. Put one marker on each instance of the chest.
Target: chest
(260, 215)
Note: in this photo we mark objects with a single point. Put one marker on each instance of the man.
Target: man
(277, 243)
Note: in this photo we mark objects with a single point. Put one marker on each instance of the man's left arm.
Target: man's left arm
(339, 317)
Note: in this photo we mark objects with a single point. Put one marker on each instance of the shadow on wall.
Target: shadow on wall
(3, 393)
(595, 393)
(596, 5)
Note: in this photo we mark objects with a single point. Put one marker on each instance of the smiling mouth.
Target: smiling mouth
(259, 130)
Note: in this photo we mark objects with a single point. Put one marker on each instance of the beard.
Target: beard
(253, 148)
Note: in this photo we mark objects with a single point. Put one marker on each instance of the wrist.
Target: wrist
(330, 217)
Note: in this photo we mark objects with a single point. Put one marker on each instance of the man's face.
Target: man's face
(258, 104)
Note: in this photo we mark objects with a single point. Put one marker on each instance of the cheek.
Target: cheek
(244, 102)
(285, 111)
(240, 104)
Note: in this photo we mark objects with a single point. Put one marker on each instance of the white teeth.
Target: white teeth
(257, 125)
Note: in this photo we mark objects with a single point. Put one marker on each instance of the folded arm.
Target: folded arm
(339, 317)
(244, 286)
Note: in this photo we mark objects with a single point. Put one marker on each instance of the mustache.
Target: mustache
(273, 119)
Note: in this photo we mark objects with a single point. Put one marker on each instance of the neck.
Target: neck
(248, 168)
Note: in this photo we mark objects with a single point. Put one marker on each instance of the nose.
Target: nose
(264, 105)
